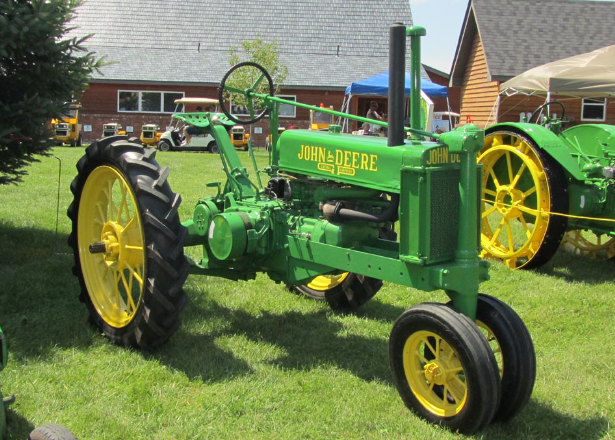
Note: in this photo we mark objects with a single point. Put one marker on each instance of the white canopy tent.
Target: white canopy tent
(587, 75)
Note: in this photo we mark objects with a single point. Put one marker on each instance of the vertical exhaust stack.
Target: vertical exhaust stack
(397, 69)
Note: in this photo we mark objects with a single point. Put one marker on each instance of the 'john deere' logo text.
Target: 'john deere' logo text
(439, 156)
(346, 162)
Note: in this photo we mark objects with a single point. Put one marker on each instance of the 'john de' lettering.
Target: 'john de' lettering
(341, 158)
(439, 156)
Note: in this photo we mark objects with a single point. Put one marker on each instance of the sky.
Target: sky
(443, 20)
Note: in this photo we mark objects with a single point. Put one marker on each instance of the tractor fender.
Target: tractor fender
(547, 141)
(592, 139)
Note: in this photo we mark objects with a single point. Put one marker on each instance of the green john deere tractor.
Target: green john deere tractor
(323, 224)
(543, 186)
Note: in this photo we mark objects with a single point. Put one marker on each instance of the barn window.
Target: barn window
(594, 109)
(147, 101)
(288, 110)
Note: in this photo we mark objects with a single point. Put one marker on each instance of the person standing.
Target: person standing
(372, 113)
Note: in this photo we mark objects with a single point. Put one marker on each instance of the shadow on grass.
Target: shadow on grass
(40, 312)
(575, 268)
(39, 306)
(540, 422)
(309, 340)
(17, 426)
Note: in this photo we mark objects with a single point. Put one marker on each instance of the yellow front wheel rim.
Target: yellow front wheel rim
(323, 283)
(438, 383)
(494, 344)
(515, 200)
(111, 250)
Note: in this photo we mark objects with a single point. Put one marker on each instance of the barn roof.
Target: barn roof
(518, 35)
(324, 44)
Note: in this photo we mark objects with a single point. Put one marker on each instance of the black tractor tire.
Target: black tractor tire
(512, 344)
(459, 387)
(349, 294)
(146, 314)
(80, 141)
(52, 432)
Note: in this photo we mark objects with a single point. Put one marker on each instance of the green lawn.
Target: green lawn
(253, 361)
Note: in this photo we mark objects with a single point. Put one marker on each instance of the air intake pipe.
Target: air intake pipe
(397, 84)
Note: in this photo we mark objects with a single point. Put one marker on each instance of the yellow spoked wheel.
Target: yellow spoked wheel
(437, 379)
(443, 367)
(128, 243)
(345, 291)
(110, 237)
(521, 188)
(590, 244)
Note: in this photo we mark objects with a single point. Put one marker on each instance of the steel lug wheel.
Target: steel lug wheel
(522, 188)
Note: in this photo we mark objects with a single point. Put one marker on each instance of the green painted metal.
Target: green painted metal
(322, 208)
(586, 154)
(547, 141)
(415, 69)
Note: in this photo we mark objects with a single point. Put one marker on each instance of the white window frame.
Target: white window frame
(594, 104)
(139, 92)
(294, 108)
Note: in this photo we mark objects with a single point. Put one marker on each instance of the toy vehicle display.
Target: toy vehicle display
(150, 135)
(542, 184)
(112, 129)
(322, 224)
(67, 130)
(320, 120)
(172, 139)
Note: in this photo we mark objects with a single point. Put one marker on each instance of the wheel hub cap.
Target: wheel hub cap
(436, 373)
(507, 201)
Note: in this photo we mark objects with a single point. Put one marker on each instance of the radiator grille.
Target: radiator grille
(444, 216)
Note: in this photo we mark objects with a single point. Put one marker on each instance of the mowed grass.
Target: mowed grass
(253, 361)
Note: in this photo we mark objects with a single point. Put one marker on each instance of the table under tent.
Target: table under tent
(378, 86)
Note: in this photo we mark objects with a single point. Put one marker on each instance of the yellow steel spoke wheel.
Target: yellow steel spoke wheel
(112, 257)
(444, 368)
(512, 346)
(521, 187)
(590, 244)
(345, 291)
(128, 243)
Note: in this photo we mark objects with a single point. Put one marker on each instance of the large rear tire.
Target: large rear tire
(590, 244)
(127, 242)
(458, 384)
(346, 291)
(524, 194)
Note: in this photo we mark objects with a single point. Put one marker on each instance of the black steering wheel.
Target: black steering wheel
(246, 80)
(546, 104)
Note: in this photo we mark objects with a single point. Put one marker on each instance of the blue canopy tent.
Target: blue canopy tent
(378, 85)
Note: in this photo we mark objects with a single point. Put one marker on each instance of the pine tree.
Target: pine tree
(41, 71)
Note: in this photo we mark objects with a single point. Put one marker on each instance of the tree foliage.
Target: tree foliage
(263, 53)
(41, 71)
